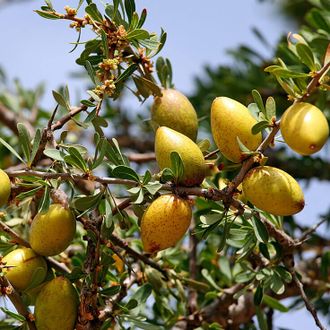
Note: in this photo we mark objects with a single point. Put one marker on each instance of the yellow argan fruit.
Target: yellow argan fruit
(223, 183)
(304, 128)
(5, 188)
(165, 222)
(52, 232)
(22, 266)
(56, 306)
(229, 120)
(167, 140)
(273, 190)
(174, 110)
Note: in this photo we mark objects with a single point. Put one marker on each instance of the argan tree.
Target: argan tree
(109, 222)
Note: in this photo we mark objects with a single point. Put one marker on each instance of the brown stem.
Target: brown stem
(192, 293)
(16, 300)
(289, 262)
(142, 158)
(136, 255)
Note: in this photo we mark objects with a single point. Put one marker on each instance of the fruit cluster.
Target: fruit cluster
(269, 189)
(55, 298)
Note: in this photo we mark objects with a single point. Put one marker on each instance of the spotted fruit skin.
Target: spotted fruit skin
(229, 120)
(167, 140)
(5, 188)
(165, 222)
(56, 305)
(22, 266)
(174, 110)
(273, 190)
(52, 232)
(304, 128)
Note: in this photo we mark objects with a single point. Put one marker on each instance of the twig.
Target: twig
(212, 153)
(142, 158)
(136, 255)
(304, 237)
(192, 293)
(16, 300)
(289, 263)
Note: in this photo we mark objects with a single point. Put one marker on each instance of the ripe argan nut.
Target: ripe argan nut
(229, 120)
(167, 140)
(5, 188)
(53, 231)
(165, 222)
(273, 190)
(56, 305)
(22, 266)
(175, 111)
(304, 128)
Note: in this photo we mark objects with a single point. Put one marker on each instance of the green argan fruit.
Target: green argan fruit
(52, 232)
(165, 222)
(56, 306)
(304, 128)
(174, 110)
(229, 120)
(273, 190)
(167, 140)
(22, 266)
(5, 188)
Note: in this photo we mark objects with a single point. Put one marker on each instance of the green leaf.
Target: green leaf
(114, 155)
(306, 55)
(45, 201)
(261, 319)
(142, 18)
(167, 175)
(75, 159)
(105, 44)
(137, 34)
(153, 187)
(139, 197)
(283, 273)
(143, 293)
(259, 127)
(258, 295)
(94, 13)
(36, 143)
(111, 291)
(141, 324)
(260, 230)
(54, 154)
(24, 140)
(99, 153)
(127, 73)
(60, 99)
(87, 202)
(15, 316)
(325, 265)
(242, 146)
(131, 304)
(130, 9)
(47, 14)
(90, 71)
(206, 274)
(264, 250)
(258, 100)
(87, 103)
(275, 304)
(11, 149)
(177, 166)
(270, 108)
(125, 172)
(277, 284)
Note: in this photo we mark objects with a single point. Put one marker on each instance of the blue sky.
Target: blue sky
(199, 33)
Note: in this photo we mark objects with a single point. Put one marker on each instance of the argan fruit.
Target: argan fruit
(56, 306)
(5, 188)
(229, 120)
(304, 128)
(53, 231)
(165, 222)
(23, 266)
(273, 190)
(167, 140)
(175, 111)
